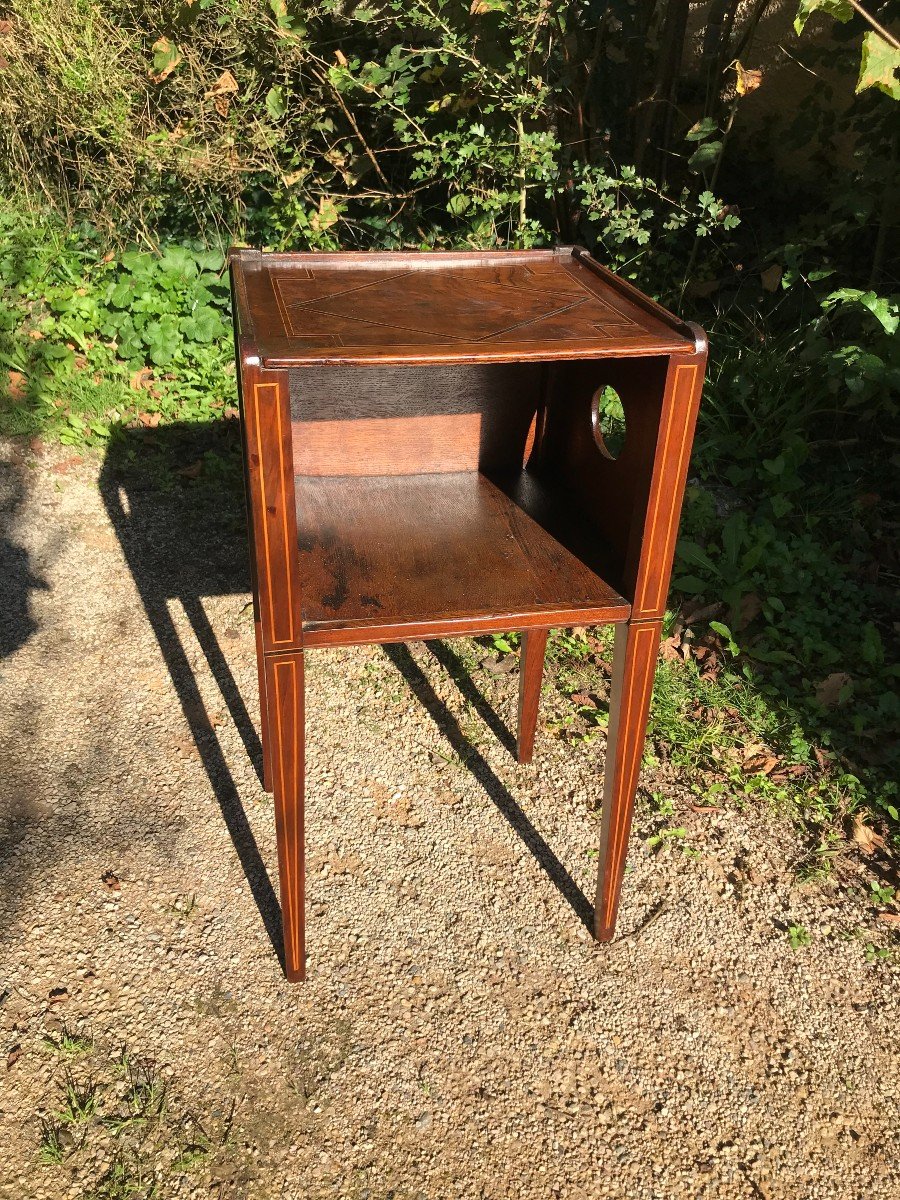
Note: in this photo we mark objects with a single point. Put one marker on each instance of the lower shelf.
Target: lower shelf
(390, 558)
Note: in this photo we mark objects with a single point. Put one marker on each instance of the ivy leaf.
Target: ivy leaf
(275, 105)
(841, 10)
(880, 66)
(458, 204)
(701, 130)
(705, 156)
(166, 57)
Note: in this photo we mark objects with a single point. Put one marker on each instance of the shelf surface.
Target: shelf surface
(366, 309)
(394, 557)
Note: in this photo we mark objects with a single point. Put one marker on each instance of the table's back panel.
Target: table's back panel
(414, 420)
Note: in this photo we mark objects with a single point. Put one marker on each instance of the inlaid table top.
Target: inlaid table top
(446, 307)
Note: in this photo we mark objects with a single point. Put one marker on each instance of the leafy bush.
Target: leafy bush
(90, 340)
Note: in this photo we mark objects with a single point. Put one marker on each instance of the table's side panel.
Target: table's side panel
(633, 500)
(609, 493)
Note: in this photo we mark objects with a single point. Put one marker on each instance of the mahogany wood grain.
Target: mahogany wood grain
(531, 672)
(404, 420)
(652, 549)
(284, 688)
(268, 458)
(445, 307)
(634, 663)
(394, 554)
(421, 461)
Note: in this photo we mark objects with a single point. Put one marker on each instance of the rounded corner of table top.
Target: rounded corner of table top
(418, 308)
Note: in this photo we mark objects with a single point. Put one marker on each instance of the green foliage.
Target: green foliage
(90, 341)
(799, 936)
(880, 58)
(879, 66)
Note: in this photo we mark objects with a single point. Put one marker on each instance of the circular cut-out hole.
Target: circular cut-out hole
(608, 421)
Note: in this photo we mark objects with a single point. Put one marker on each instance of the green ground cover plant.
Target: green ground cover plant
(141, 138)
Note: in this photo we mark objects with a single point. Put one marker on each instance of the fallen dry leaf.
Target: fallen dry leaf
(758, 761)
(699, 612)
(891, 918)
(66, 465)
(749, 608)
(506, 664)
(703, 287)
(671, 648)
(140, 379)
(225, 85)
(828, 692)
(865, 836)
(149, 420)
(13, 1055)
(17, 385)
(583, 700)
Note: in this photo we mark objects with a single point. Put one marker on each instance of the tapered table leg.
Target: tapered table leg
(634, 663)
(284, 693)
(531, 671)
(263, 710)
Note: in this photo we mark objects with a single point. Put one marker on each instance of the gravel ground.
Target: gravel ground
(460, 1035)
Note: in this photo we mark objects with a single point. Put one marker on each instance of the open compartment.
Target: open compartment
(424, 495)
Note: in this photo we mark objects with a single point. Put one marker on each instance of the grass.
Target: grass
(68, 1044)
(126, 1132)
(50, 1150)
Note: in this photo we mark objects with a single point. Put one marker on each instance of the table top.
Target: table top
(447, 307)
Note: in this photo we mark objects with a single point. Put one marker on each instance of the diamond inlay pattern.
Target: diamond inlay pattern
(495, 303)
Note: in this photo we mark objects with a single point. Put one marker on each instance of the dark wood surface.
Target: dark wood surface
(422, 461)
(285, 715)
(634, 665)
(383, 558)
(408, 420)
(445, 307)
(531, 673)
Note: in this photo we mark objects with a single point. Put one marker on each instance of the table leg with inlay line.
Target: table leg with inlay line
(634, 666)
(285, 703)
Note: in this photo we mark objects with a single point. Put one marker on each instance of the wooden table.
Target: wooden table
(425, 458)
